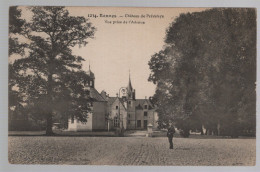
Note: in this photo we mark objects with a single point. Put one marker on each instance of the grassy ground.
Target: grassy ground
(62, 133)
(130, 151)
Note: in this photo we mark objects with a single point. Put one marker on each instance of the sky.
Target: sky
(119, 48)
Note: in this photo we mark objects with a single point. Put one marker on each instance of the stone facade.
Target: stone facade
(109, 113)
(134, 113)
(97, 116)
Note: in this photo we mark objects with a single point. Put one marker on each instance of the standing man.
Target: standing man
(170, 133)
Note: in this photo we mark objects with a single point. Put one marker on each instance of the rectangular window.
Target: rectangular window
(145, 113)
(138, 123)
(129, 102)
(116, 107)
(72, 120)
(145, 124)
(145, 106)
(129, 116)
(116, 122)
(128, 121)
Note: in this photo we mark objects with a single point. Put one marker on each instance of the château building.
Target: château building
(109, 113)
(131, 113)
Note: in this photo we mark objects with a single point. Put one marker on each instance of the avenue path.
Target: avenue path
(130, 151)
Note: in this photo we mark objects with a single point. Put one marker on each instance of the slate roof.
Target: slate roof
(139, 107)
(95, 95)
(91, 74)
(111, 100)
(138, 103)
(142, 101)
(129, 87)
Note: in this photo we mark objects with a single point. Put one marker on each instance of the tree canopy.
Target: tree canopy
(206, 72)
(15, 27)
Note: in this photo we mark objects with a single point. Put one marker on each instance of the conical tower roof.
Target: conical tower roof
(90, 73)
(129, 87)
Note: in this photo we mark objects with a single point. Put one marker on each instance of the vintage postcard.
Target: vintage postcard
(132, 86)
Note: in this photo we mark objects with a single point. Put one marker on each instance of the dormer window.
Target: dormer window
(91, 83)
(145, 106)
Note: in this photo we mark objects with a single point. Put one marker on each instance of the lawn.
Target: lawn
(131, 151)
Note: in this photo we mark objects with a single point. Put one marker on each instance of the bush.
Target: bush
(26, 125)
(185, 133)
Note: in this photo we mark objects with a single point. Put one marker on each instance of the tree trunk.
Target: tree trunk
(201, 131)
(218, 128)
(49, 131)
(208, 132)
(49, 115)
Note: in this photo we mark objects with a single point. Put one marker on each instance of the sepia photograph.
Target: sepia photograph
(132, 86)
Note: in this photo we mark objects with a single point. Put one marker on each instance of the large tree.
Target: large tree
(48, 75)
(208, 70)
(15, 27)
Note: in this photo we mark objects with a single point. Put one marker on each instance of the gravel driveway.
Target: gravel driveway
(131, 151)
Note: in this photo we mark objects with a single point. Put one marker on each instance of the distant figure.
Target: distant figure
(170, 133)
